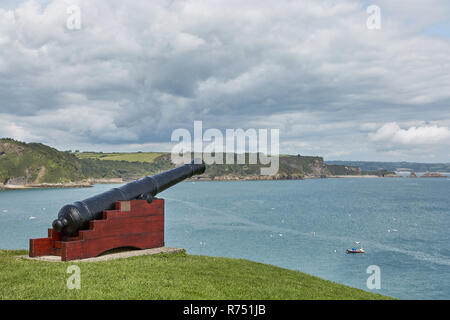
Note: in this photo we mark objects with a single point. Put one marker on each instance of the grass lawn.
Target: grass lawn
(131, 157)
(165, 276)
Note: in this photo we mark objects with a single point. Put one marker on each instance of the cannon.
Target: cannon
(76, 216)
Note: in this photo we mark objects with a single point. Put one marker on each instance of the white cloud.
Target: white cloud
(391, 133)
(417, 13)
(11, 129)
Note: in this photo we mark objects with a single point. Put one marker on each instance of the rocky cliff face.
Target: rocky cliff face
(318, 168)
(433, 175)
(10, 147)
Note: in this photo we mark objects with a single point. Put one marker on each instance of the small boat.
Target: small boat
(354, 250)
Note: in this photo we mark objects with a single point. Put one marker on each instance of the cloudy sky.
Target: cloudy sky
(137, 70)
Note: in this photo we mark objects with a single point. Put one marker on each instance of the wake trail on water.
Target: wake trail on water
(418, 255)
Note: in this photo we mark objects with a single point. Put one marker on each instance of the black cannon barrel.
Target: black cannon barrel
(76, 216)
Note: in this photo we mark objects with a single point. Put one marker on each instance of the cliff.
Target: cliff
(37, 165)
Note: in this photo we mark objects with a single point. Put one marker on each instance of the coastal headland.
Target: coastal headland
(35, 165)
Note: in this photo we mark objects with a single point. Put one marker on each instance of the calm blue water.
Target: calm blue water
(302, 225)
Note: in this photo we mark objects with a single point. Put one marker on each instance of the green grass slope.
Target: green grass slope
(95, 168)
(165, 276)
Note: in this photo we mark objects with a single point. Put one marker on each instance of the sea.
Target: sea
(402, 223)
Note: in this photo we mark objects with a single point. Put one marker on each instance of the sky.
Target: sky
(137, 70)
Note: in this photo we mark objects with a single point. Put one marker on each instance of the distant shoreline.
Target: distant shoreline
(46, 186)
(91, 182)
(67, 185)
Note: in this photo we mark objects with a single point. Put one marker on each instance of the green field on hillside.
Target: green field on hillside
(117, 156)
(165, 276)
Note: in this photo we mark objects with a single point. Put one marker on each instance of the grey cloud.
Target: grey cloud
(136, 71)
